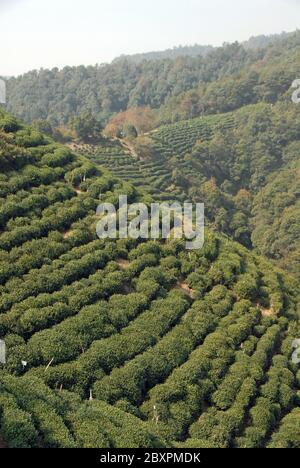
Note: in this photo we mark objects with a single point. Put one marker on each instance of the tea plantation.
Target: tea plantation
(124, 343)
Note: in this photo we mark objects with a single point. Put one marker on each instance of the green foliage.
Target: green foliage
(130, 343)
(134, 85)
(288, 435)
(86, 127)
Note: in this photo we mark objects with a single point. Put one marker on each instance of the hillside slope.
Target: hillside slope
(204, 336)
(230, 126)
(58, 95)
(227, 78)
(255, 42)
(175, 52)
(244, 165)
(267, 79)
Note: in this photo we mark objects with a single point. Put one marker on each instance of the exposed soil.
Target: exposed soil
(128, 147)
(267, 312)
(123, 264)
(67, 234)
(78, 191)
(185, 288)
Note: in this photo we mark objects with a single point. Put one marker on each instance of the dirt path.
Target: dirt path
(127, 147)
(184, 287)
(79, 146)
(151, 132)
(265, 312)
(123, 264)
(78, 191)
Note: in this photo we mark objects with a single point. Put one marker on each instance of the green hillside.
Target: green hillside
(152, 176)
(244, 165)
(230, 133)
(204, 336)
(104, 90)
(178, 88)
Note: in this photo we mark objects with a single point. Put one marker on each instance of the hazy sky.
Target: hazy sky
(42, 33)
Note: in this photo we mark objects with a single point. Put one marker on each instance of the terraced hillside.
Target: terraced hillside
(243, 165)
(180, 138)
(123, 343)
(156, 176)
(152, 177)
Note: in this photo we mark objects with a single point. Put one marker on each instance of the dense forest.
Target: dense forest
(124, 343)
(268, 79)
(180, 51)
(183, 87)
(104, 90)
(255, 42)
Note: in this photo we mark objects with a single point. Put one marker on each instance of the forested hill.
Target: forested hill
(123, 343)
(267, 80)
(231, 133)
(58, 95)
(181, 51)
(255, 42)
(104, 90)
